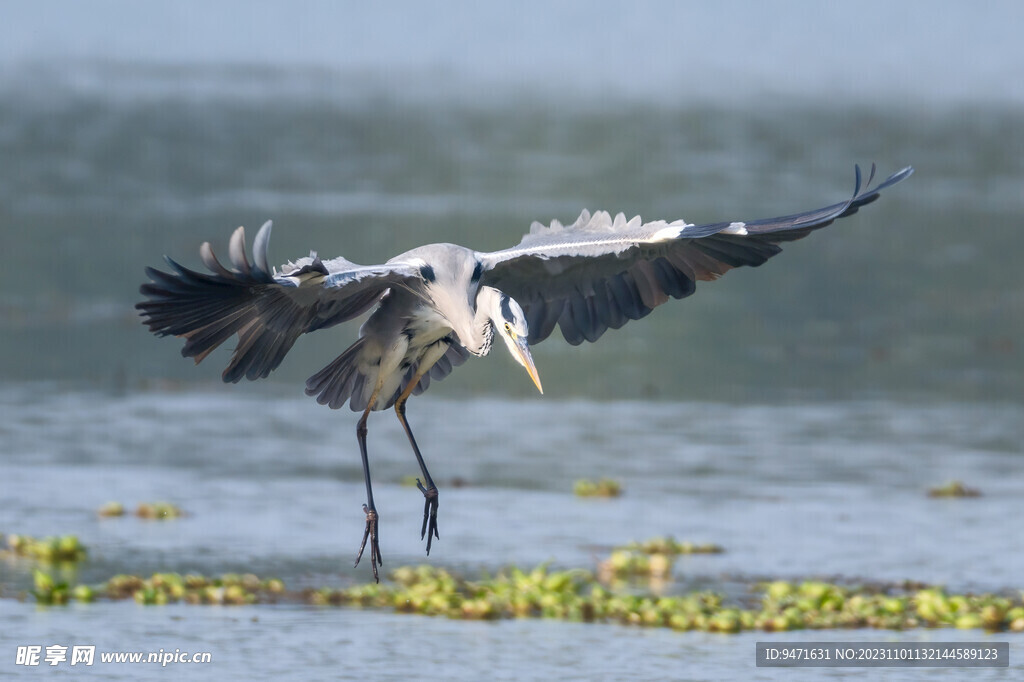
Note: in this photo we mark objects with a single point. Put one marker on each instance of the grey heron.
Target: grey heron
(438, 304)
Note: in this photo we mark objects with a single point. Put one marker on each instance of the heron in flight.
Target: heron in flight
(436, 305)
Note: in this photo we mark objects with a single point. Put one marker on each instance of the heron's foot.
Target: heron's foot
(371, 533)
(429, 529)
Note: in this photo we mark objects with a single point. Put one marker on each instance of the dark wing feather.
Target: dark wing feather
(268, 311)
(597, 274)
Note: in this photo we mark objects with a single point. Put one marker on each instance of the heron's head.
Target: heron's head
(509, 322)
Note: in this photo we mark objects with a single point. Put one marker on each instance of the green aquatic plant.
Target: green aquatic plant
(59, 549)
(158, 510)
(110, 510)
(46, 590)
(166, 588)
(954, 489)
(577, 595)
(651, 559)
(145, 510)
(672, 547)
(625, 563)
(83, 593)
(573, 595)
(604, 487)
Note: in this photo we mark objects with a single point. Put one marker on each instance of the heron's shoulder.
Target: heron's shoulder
(434, 253)
(436, 260)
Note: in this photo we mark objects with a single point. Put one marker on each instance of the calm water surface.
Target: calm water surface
(272, 485)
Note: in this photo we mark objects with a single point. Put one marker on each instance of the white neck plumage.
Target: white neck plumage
(488, 301)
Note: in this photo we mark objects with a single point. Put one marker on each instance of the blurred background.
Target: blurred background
(128, 132)
(794, 414)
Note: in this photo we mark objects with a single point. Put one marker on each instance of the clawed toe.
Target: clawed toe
(429, 528)
(371, 533)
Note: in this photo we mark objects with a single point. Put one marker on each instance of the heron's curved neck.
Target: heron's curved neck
(478, 339)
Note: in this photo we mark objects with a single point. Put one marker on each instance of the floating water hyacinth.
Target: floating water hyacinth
(158, 510)
(46, 590)
(604, 487)
(64, 548)
(165, 588)
(624, 563)
(954, 489)
(573, 594)
(576, 595)
(670, 546)
(110, 510)
(145, 510)
(652, 559)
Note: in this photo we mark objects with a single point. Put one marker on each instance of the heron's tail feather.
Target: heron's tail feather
(340, 380)
(352, 376)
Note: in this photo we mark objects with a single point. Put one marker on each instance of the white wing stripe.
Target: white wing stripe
(736, 228)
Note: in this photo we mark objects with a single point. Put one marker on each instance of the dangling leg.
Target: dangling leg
(369, 509)
(429, 528)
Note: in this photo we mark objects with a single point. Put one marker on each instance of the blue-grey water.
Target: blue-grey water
(795, 414)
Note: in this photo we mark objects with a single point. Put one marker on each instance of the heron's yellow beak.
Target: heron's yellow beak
(523, 351)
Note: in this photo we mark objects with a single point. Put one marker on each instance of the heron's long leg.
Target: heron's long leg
(429, 528)
(369, 509)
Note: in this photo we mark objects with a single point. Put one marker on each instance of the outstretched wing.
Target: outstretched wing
(268, 309)
(599, 273)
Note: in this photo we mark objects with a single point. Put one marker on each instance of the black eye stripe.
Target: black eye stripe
(506, 309)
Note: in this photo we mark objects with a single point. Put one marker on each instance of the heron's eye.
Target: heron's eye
(508, 328)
